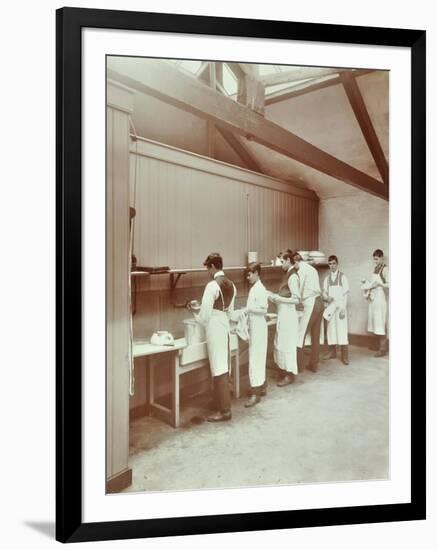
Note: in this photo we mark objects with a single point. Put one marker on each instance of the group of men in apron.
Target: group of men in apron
(301, 306)
(305, 309)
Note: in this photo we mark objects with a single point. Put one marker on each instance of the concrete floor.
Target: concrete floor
(328, 426)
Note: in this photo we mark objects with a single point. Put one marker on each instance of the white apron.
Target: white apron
(257, 335)
(217, 339)
(337, 328)
(308, 306)
(377, 308)
(286, 338)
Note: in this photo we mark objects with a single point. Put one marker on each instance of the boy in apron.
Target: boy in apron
(375, 288)
(256, 310)
(217, 304)
(335, 292)
(286, 323)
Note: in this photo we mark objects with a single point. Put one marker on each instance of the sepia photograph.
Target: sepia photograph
(247, 274)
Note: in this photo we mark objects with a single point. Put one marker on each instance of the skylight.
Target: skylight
(230, 83)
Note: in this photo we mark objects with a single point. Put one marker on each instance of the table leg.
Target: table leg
(176, 392)
(237, 374)
(151, 383)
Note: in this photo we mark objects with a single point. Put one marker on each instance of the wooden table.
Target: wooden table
(142, 348)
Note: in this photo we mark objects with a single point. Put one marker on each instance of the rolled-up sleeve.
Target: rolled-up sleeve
(209, 296)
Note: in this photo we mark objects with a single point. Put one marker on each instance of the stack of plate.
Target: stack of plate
(304, 254)
(317, 257)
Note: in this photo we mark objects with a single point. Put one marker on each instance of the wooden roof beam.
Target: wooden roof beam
(362, 115)
(235, 143)
(296, 75)
(167, 84)
(309, 86)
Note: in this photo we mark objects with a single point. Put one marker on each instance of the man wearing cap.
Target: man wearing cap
(217, 303)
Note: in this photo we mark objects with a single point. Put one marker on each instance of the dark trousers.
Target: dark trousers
(222, 395)
(313, 328)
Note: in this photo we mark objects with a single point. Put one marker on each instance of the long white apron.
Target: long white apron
(256, 299)
(377, 308)
(337, 328)
(257, 350)
(286, 338)
(217, 339)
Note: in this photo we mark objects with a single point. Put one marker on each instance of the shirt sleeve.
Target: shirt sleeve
(293, 285)
(208, 299)
(386, 274)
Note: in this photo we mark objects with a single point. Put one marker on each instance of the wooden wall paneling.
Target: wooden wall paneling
(117, 248)
(109, 290)
(214, 199)
(120, 335)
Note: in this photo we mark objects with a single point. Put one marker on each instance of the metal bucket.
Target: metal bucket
(194, 332)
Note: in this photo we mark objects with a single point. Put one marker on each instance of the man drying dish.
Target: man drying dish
(335, 293)
(217, 303)
(375, 288)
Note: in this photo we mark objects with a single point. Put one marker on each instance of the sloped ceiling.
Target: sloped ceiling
(324, 118)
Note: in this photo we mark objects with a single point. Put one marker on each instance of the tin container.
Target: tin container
(194, 332)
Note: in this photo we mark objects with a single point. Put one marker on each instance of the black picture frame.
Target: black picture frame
(69, 24)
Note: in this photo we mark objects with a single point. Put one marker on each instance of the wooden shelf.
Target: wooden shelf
(176, 273)
(139, 273)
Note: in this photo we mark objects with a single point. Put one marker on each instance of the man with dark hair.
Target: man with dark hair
(375, 288)
(286, 324)
(311, 320)
(335, 292)
(256, 310)
(217, 303)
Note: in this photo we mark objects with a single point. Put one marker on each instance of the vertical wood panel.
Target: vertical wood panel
(117, 248)
(184, 213)
(120, 297)
(109, 287)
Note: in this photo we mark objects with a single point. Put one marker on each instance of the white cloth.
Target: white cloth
(377, 321)
(257, 299)
(309, 287)
(287, 331)
(337, 329)
(216, 323)
(240, 324)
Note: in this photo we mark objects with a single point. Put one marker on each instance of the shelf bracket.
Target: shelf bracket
(174, 280)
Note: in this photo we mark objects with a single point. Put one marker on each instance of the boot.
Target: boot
(345, 355)
(287, 380)
(253, 400)
(220, 417)
(382, 347)
(331, 353)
